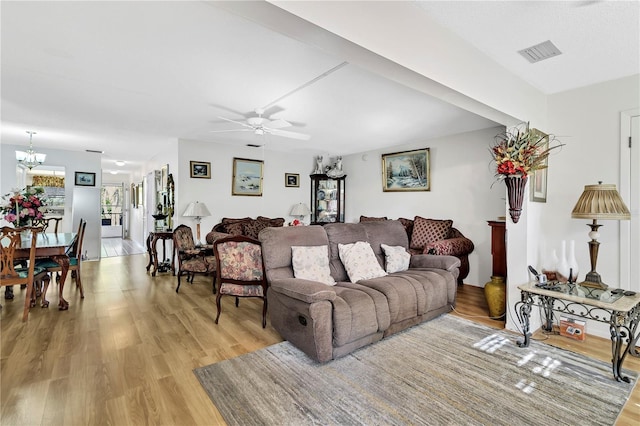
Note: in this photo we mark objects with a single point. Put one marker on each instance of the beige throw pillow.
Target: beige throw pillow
(312, 263)
(360, 261)
(397, 258)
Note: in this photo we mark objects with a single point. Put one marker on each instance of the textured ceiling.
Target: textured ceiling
(130, 77)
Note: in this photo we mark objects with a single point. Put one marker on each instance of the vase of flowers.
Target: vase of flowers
(518, 152)
(21, 207)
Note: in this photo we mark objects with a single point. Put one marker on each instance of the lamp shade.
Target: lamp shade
(300, 209)
(196, 209)
(600, 202)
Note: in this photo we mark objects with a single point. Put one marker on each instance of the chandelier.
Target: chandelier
(30, 158)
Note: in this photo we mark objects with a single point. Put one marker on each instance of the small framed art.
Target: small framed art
(406, 171)
(292, 180)
(247, 177)
(85, 179)
(200, 169)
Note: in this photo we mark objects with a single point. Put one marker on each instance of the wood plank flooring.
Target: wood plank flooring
(115, 246)
(124, 355)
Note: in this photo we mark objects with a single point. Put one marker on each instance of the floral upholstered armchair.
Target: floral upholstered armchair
(240, 271)
(191, 259)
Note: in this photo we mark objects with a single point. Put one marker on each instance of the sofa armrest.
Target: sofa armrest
(449, 263)
(304, 290)
(214, 236)
(450, 247)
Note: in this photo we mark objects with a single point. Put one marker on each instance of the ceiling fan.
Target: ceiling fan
(261, 126)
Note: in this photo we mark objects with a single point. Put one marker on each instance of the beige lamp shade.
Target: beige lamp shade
(300, 209)
(600, 201)
(197, 210)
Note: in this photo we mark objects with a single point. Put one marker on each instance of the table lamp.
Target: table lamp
(598, 202)
(197, 210)
(300, 210)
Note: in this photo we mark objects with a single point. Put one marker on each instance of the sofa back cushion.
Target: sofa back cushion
(277, 243)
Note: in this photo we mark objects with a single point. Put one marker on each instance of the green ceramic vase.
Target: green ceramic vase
(495, 291)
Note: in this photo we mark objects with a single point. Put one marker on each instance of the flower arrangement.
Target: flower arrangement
(521, 150)
(295, 222)
(22, 206)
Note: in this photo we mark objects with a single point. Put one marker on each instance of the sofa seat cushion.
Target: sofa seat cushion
(354, 315)
(427, 231)
(414, 292)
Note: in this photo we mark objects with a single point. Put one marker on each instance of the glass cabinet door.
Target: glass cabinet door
(327, 199)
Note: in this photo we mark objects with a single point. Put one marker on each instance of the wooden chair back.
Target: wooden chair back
(10, 242)
(46, 224)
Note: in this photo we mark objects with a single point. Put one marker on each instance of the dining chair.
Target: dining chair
(46, 222)
(10, 273)
(75, 262)
(240, 271)
(191, 259)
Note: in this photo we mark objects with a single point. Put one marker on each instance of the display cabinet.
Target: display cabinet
(327, 199)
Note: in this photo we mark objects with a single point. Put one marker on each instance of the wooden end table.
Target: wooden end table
(165, 265)
(622, 313)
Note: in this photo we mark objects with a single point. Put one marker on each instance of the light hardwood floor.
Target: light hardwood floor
(124, 355)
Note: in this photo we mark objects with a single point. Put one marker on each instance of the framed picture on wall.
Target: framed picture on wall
(85, 179)
(200, 169)
(538, 178)
(247, 177)
(406, 171)
(292, 180)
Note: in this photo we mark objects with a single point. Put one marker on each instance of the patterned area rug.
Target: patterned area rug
(446, 371)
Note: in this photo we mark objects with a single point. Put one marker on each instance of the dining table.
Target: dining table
(55, 246)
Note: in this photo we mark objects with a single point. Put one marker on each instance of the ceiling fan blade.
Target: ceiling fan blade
(287, 134)
(234, 121)
(231, 130)
(279, 124)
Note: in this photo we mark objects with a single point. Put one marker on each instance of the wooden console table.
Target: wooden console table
(622, 313)
(165, 265)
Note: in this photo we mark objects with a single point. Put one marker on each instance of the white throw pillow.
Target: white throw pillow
(360, 261)
(312, 263)
(397, 258)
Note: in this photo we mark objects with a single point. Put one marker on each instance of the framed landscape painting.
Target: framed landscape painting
(247, 177)
(406, 171)
(85, 179)
(200, 169)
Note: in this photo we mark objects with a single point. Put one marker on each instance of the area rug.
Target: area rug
(443, 372)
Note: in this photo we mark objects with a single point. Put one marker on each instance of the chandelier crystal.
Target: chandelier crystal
(30, 158)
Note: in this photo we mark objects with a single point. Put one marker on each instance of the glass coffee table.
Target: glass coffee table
(621, 312)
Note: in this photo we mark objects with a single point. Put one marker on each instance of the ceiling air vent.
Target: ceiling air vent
(252, 145)
(540, 52)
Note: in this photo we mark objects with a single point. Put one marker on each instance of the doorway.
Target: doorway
(111, 211)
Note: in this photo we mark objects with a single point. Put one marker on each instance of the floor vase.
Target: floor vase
(495, 291)
(515, 195)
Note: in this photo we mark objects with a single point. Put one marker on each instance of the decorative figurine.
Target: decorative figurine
(318, 170)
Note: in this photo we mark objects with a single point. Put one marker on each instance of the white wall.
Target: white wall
(587, 120)
(276, 200)
(461, 189)
(72, 161)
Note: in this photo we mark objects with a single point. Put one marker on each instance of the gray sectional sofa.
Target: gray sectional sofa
(329, 321)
